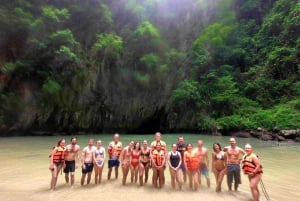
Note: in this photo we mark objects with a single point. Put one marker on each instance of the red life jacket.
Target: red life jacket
(59, 155)
(158, 157)
(248, 165)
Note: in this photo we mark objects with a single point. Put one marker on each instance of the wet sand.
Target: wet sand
(25, 176)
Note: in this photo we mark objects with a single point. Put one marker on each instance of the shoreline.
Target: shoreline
(292, 135)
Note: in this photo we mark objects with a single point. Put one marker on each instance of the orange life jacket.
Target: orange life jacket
(59, 155)
(158, 157)
(114, 150)
(163, 146)
(248, 165)
(192, 161)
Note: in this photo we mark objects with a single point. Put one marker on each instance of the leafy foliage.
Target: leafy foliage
(145, 65)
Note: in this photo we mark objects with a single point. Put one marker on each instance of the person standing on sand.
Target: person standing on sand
(202, 153)
(192, 163)
(175, 161)
(144, 163)
(233, 164)
(181, 147)
(99, 157)
(57, 161)
(135, 162)
(114, 150)
(158, 158)
(218, 166)
(163, 147)
(125, 160)
(71, 160)
(87, 161)
(252, 167)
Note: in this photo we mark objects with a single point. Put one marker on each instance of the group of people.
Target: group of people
(184, 162)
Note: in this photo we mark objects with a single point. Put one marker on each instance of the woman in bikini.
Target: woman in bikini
(174, 161)
(125, 160)
(144, 162)
(135, 161)
(99, 157)
(219, 161)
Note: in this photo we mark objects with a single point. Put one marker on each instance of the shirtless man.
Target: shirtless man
(202, 153)
(114, 150)
(87, 161)
(233, 164)
(72, 154)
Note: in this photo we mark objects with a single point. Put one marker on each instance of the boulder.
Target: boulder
(280, 138)
(290, 134)
(241, 134)
(276, 130)
(297, 139)
(255, 134)
(266, 137)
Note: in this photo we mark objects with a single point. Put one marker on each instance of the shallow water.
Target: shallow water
(25, 175)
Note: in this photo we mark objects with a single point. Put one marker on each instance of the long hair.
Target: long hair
(59, 141)
(218, 144)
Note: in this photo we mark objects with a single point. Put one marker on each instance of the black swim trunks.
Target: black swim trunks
(70, 166)
(113, 163)
(88, 168)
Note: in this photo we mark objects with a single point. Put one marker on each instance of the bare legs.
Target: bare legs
(67, 177)
(207, 179)
(116, 172)
(98, 174)
(144, 170)
(176, 176)
(109, 173)
(72, 175)
(254, 180)
(125, 170)
(184, 175)
(88, 178)
(193, 179)
(134, 173)
(158, 177)
(54, 176)
(219, 175)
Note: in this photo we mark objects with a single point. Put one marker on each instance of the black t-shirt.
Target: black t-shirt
(181, 148)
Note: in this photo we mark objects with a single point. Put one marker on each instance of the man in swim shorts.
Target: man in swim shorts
(202, 152)
(233, 164)
(87, 161)
(114, 151)
(72, 154)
